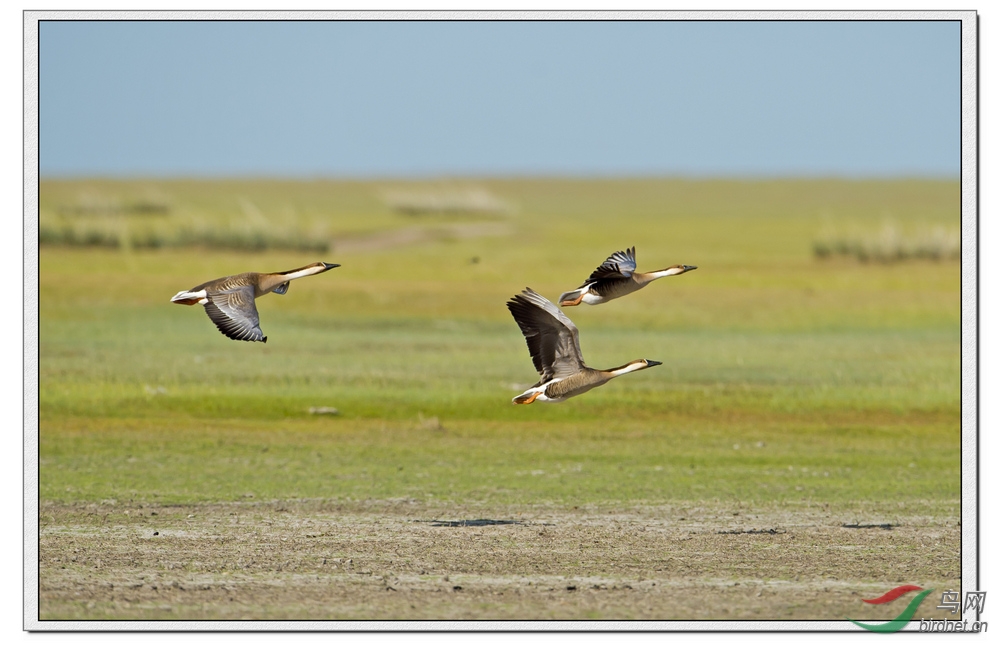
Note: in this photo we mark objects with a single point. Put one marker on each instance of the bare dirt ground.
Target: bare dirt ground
(407, 560)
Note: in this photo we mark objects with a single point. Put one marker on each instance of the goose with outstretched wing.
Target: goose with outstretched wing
(230, 301)
(554, 344)
(616, 277)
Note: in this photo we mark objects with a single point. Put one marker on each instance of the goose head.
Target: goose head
(679, 269)
(636, 365)
(308, 270)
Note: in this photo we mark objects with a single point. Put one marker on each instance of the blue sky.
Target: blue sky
(376, 99)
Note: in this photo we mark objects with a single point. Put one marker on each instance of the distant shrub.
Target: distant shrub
(142, 215)
(99, 208)
(77, 237)
(153, 240)
(120, 232)
(444, 200)
(891, 245)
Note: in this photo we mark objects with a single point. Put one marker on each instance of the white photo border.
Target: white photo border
(970, 512)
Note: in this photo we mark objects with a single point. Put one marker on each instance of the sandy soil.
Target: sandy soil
(317, 560)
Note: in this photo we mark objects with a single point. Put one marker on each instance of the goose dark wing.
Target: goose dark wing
(620, 264)
(553, 340)
(234, 313)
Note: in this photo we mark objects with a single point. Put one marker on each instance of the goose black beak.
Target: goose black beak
(650, 362)
(688, 267)
(329, 266)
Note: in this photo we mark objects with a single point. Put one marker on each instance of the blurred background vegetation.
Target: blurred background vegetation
(787, 373)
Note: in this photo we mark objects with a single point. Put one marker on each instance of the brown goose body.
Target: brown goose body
(554, 343)
(230, 301)
(262, 283)
(580, 382)
(616, 277)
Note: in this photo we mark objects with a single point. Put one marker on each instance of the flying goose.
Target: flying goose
(554, 344)
(229, 301)
(615, 278)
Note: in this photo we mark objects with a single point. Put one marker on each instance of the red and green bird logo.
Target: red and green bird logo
(904, 617)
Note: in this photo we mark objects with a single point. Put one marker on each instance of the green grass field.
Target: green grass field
(786, 378)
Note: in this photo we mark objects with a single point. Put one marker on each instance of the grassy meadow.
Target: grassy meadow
(786, 377)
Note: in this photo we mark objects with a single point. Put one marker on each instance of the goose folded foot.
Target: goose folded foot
(575, 297)
(526, 398)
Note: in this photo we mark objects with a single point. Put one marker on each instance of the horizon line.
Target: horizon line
(501, 177)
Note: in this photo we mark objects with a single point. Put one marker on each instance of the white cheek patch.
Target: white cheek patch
(302, 273)
(637, 366)
(673, 271)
